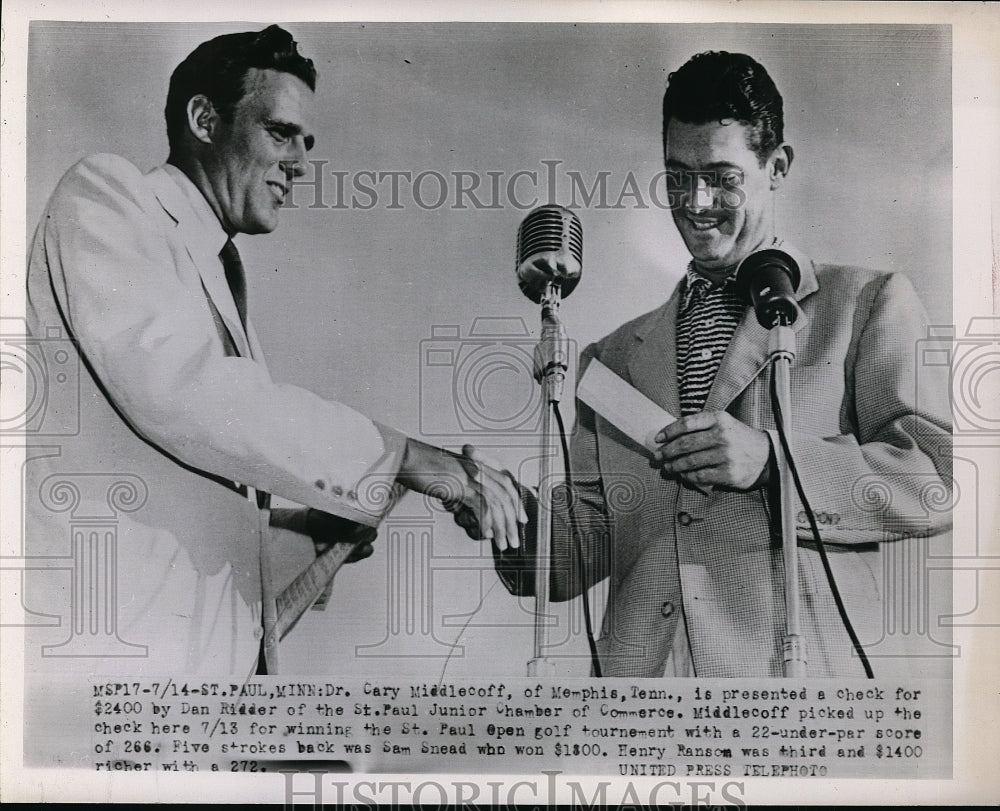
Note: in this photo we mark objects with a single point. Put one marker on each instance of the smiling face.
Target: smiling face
(252, 158)
(725, 209)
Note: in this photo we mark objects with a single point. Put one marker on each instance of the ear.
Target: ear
(202, 119)
(780, 164)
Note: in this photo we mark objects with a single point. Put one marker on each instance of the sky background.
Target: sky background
(376, 307)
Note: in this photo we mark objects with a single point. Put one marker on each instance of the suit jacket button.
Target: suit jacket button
(667, 608)
(258, 632)
(337, 490)
(684, 519)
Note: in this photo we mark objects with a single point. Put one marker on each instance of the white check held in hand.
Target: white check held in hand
(625, 407)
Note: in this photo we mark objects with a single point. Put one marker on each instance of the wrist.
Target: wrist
(770, 465)
(428, 469)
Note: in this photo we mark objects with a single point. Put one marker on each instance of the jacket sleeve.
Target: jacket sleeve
(148, 338)
(581, 540)
(891, 477)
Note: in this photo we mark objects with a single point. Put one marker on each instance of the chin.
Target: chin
(261, 226)
(709, 258)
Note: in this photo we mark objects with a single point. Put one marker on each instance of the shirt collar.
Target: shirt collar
(696, 285)
(205, 226)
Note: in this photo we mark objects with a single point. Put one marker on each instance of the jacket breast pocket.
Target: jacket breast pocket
(818, 395)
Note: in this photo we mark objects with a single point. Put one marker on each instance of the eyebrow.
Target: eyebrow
(673, 163)
(288, 129)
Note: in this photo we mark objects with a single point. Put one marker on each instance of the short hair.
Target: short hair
(217, 69)
(718, 85)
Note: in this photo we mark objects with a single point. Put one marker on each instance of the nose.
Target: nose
(702, 195)
(294, 163)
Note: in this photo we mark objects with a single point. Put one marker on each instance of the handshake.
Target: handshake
(485, 501)
(706, 449)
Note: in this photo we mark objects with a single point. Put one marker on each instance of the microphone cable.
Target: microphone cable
(780, 423)
(578, 543)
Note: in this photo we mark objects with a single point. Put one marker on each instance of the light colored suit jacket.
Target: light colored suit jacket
(874, 466)
(137, 483)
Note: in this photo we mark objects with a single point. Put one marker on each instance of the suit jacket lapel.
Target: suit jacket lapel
(747, 354)
(745, 358)
(209, 266)
(652, 367)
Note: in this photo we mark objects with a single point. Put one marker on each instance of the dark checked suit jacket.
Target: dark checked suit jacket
(871, 437)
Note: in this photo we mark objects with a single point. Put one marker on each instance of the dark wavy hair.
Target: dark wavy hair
(717, 85)
(217, 69)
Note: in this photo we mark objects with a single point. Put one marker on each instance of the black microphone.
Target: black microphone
(549, 250)
(768, 280)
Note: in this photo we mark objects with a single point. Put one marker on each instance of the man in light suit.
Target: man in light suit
(167, 554)
(689, 537)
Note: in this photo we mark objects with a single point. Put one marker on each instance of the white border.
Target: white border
(976, 235)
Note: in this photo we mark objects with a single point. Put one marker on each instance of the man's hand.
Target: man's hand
(490, 467)
(714, 448)
(484, 501)
(326, 529)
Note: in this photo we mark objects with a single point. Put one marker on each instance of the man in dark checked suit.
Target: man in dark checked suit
(689, 537)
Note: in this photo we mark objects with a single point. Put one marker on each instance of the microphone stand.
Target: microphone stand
(551, 363)
(781, 349)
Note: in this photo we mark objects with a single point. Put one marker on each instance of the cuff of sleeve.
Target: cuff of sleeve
(377, 492)
(365, 491)
(516, 566)
(777, 464)
(825, 476)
